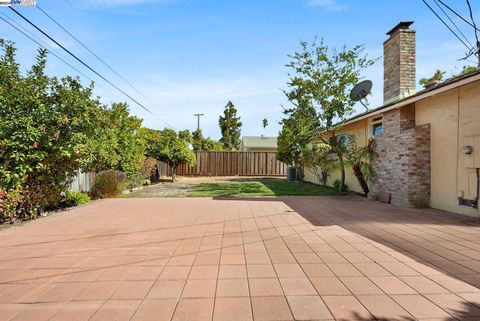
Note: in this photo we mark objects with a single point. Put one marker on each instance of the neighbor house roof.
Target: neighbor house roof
(428, 92)
(259, 142)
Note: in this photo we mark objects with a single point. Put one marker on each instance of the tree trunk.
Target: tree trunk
(360, 178)
(341, 187)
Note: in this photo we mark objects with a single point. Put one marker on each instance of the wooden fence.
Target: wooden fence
(234, 164)
(82, 182)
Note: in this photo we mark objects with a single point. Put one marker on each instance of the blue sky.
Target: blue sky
(190, 56)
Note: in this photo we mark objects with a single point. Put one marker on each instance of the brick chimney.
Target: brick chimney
(399, 63)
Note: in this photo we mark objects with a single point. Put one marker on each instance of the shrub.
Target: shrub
(19, 204)
(336, 185)
(135, 180)
(109, 183)
(148, 167)
(76, 198)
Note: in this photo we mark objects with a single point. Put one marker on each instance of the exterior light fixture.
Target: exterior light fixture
(467, 150)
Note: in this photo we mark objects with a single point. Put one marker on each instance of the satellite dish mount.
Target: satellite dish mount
(361, 91)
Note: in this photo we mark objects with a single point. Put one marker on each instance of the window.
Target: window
(376, 128)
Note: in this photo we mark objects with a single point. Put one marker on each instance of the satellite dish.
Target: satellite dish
(361, 91)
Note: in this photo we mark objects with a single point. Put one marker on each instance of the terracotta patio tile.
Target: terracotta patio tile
(183, 260)
(307, 258)
(257, 258)
(199, 289)
(230, 258)
(289, 270)
(392, 285)
(77, 311)
(452, 284)
(205, 272)
(420, 307)
(261, 271)
(100, 290)
(329, 286)
(423, 284)
(360, 285)
(116, 310)
(344, 269)
(8, 311)
(166, 289)
(232, 309)
(317, 270)
(309, 308)
(144, 273)
(232, 288)
(371, 269)
(265, 287)
(132, 290)
(232, 271)
(38, 312)
(473, 298)
(64, 292)
(454, 305)
(346, 307)
(282, 258)
(155, 310)
(271, 309)
(399, 269)
(116, 273)
(194, 310)
(383, 307)
(297, 286)
(207, 259)
(175, 273)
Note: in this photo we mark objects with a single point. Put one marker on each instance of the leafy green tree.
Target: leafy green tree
(170, 147)
(436, 78)
(324, 78)
(300, 128)
(318, 159)
(230, 127)
(264, 123)
(45, 125)
(200, 143)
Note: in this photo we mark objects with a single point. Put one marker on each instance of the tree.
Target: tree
(299, 129)
(230, 127)
(317, 157)
(130, 147)
(360, 158)
(435, 79)
(324, 78)
(45, 126)
(169, 147)
(200, 143)
(264, 124)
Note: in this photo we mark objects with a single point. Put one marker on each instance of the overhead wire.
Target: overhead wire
(457, 14)
(453, 23)
(30, 36)
(91, 52)
(446, 25)
(81, 61)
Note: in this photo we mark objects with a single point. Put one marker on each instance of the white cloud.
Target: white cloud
(330, 5)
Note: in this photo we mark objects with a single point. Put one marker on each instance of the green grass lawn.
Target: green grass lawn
(260, 188)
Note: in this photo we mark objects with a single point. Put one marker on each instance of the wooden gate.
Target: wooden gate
(234, 164)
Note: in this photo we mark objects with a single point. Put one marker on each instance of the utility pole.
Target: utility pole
(198, 120)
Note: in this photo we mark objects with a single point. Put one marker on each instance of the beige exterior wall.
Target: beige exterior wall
(360, 130)
(454, 118)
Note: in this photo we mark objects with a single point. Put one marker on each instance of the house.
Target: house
(428, 142)
(259, 144)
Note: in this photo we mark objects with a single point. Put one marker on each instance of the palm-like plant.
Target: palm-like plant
(360, 158)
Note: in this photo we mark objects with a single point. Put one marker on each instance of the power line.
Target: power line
(42, 45)
(446, 25)
(457, 14)
(475, 31)
(90, 51)
(81, 61)
(454, 24)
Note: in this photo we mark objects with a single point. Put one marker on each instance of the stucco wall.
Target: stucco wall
(360, 130)
(454, 118)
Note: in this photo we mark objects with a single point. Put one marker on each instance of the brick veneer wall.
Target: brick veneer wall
(403, 165)
(399, 65)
